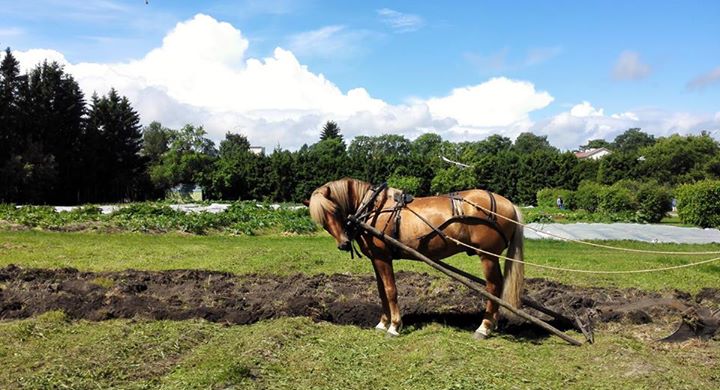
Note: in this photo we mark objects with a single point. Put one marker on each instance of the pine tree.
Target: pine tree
(116, 125)
(10, 143)
(232, 176)
(330, 130)
(9, 101)
(53, 118)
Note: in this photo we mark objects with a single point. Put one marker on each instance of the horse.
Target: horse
(425, 224)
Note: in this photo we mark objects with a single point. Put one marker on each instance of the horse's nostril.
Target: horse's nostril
(344, 246)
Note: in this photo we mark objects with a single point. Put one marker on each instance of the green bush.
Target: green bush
(453, 179)
(624, 201)
(654, 202)
(547, 197)
(587, 196)
(616, 199)
(409, 184)
(699, 203)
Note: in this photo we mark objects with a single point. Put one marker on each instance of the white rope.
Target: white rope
(583, 270)
(647, 270)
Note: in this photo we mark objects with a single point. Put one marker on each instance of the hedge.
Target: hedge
(699, 203)
(547, 197)
(628, 200)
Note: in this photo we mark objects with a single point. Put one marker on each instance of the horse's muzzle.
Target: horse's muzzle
(344, 246)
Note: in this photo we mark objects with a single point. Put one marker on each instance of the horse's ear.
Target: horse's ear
(306, 202)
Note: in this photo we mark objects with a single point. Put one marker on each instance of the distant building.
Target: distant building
(594, 154)
(257, 149)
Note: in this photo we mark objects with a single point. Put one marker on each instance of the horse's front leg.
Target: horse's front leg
(388, 293)
(385, 316)
(494, 278)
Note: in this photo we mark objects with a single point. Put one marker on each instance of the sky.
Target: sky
(277, 70)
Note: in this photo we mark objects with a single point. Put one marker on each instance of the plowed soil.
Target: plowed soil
(338, 298)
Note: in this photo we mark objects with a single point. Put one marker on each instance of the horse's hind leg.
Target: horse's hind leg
(385, 273)
(494, 278)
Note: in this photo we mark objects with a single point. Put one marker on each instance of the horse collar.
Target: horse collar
(351, 227)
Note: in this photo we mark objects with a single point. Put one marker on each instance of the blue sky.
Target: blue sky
(656, 62)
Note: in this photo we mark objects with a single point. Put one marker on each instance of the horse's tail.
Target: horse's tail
(515, 270)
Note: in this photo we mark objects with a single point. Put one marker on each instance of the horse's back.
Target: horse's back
(447, 212)
(469, 200)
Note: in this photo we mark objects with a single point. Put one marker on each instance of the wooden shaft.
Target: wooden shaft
(525, 300)
(468, 282)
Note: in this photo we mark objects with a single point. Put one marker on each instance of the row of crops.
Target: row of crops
(243, 217)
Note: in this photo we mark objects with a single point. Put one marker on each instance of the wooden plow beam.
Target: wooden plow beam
(473, 284)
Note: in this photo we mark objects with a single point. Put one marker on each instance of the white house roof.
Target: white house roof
(591, 152)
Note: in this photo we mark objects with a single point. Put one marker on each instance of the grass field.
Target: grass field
(51, 351)
(317, 254)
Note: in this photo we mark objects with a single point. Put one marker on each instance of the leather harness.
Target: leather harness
(402, 200)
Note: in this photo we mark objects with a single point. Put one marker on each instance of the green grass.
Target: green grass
(314, 254)
(295, 353)
(51, 351)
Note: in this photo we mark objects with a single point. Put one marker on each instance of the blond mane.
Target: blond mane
(340, 197)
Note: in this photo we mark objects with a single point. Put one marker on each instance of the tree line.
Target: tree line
(55, 147)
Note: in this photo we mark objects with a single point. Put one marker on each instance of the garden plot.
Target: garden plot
(339, 299)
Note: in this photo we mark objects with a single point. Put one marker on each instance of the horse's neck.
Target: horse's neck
(362, 190)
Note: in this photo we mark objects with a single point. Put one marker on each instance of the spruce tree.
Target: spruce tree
(116, 126)
(10, 142)
(330, 130)
(9, 104)
(53, 108)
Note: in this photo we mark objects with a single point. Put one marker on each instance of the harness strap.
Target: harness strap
(435, 229)
(490, 220)
(360, 215)
(401, 201)
(493, 206)
(455, 200)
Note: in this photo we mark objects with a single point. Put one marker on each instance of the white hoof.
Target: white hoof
(381, 327)
(479, 336)
(484, 330)
(392, 331)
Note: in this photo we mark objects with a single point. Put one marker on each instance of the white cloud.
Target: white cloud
(705, 79)
(585, 109)
(400, 22)
(498, 102)
(29, 59)
(629, 67)
(584, 122)
(201, 74)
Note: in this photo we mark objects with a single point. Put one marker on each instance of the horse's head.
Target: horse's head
(331, 204)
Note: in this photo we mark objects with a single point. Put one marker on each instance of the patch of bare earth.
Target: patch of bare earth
(338, 298)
